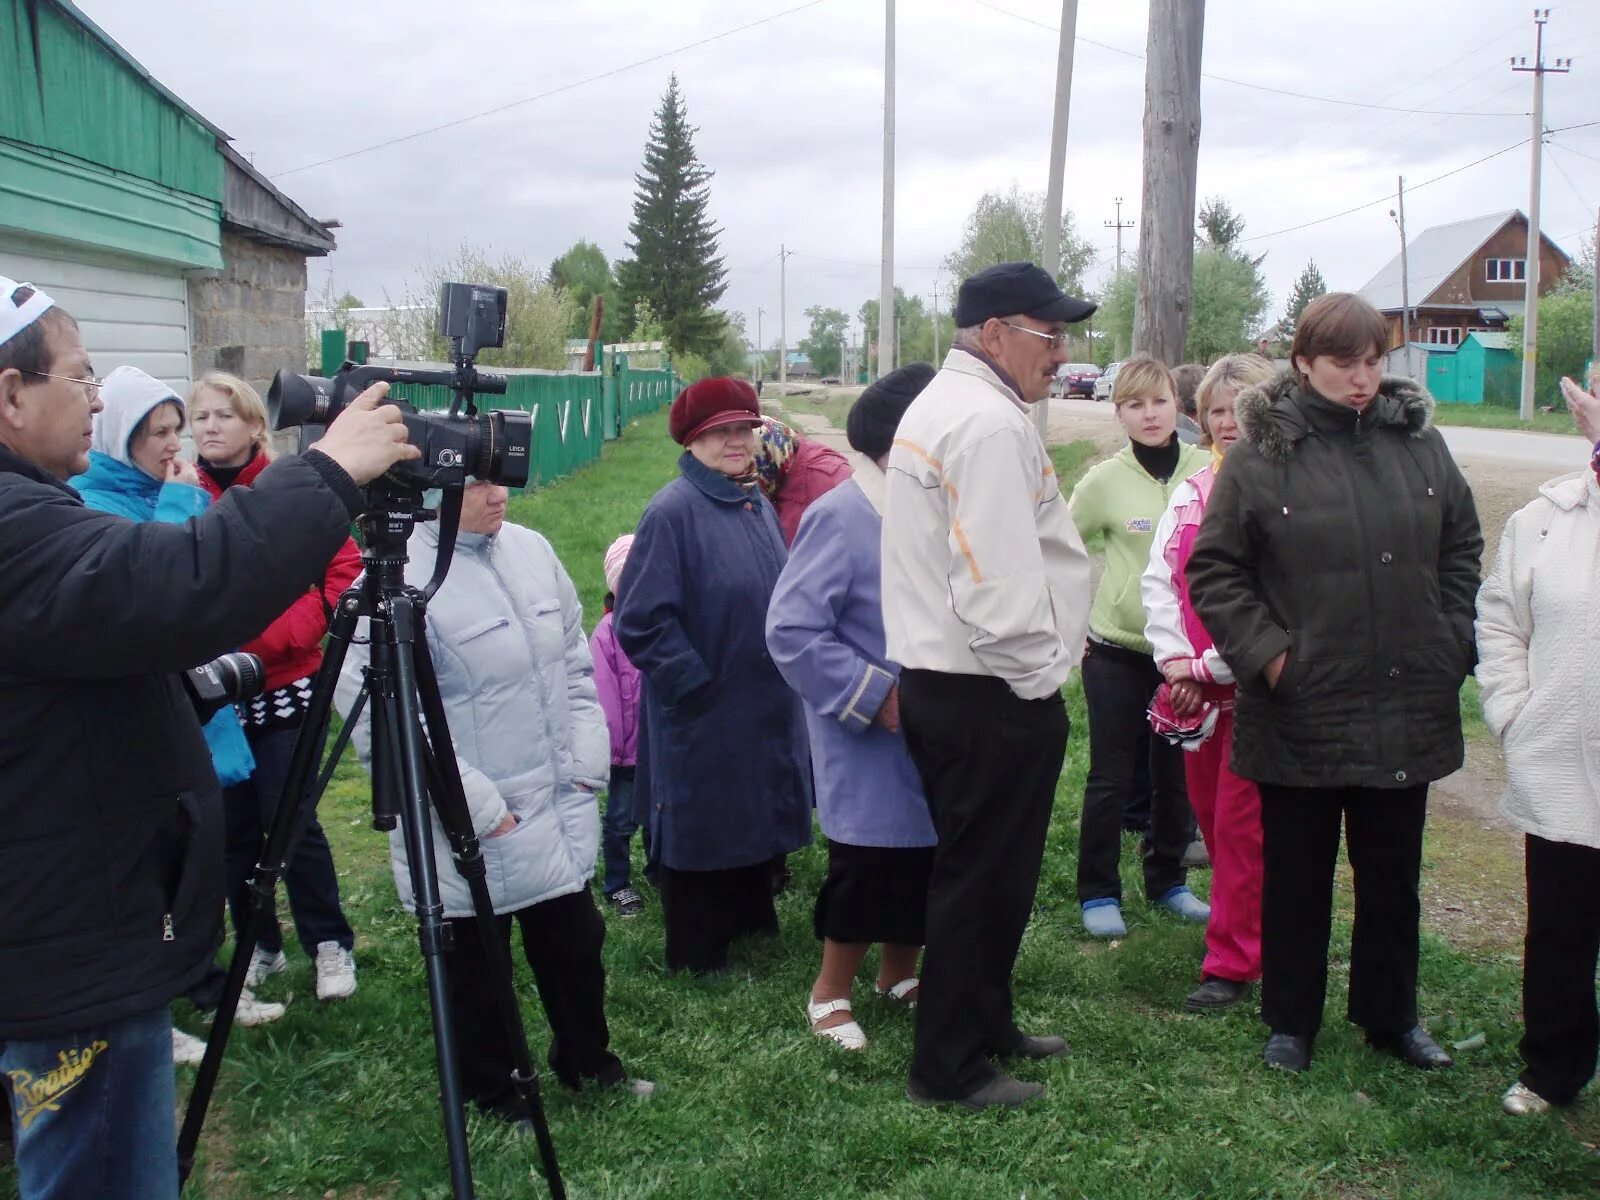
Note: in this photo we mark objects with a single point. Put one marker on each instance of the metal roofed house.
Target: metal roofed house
(131, 209)
(1467, 276)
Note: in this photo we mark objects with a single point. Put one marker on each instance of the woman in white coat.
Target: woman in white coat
(505, 632)
(1539, 675)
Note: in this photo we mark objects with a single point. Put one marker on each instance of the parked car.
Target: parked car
(1102, 385)
(1074, 379)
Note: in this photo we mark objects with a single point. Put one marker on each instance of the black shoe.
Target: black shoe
(1216, 993)
(626, 901)
(1037, 1047)
(1000, 1092)
(1413, 1046)
(1285, 1052)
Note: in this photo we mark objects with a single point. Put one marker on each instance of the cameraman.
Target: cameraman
(110, 817)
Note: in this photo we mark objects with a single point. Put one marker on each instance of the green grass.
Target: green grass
(1490, 417)
(1472, 711)
(822, 402)
(341, 1100)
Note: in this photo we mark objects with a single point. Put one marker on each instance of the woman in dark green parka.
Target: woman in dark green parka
(1337, 568)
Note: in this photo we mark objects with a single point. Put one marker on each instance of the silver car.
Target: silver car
(1102, 386)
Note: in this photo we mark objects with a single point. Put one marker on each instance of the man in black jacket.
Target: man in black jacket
(110, 815)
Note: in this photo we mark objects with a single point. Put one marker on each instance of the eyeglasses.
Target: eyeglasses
(1056, 340)
(88, 381)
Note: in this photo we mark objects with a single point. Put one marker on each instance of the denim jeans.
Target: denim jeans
(310, 882)
(92, 1111)
(616, 831)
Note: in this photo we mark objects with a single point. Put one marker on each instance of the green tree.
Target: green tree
(822, 342)
(585, 273)
(538, 313)
(1219, 225)
(1566, 329)
(1009, 227)
(675, 263)
(1229, 300)
(1114, 317)
(1579, 276)
(1307, 287)
(915, 323)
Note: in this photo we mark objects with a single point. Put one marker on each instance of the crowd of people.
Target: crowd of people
(1271, 660)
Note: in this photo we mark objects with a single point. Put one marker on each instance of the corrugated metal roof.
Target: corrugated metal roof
(1435, 255)
(1493, 341)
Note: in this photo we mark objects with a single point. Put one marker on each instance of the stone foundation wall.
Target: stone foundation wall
(249, 319)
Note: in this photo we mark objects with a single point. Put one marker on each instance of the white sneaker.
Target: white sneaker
(1521, 1100)
(336, 971)
(187, 1049)
(256, 1012)
(263, 964)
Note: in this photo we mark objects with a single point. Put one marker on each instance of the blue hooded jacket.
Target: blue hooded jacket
(113, 484)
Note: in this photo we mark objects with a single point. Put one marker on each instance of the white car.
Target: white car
(1102, 386)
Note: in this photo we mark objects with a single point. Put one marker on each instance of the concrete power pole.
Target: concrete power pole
(1171, 153)
(1530, 327)
(936, 323)
(761, 353)
(1050, 247)
(1119, 225)
(783, 314)
(888, 347)
(1594, 346)
(1405, 282)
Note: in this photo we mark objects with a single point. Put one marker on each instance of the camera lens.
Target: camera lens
(498, 446)
(241, 675)
(295, 400)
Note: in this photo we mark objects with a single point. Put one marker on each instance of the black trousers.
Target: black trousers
(1383, 834)
(705, 912)
(989, 763)
(1562, 1037)
(1117, 687)
(561, 940)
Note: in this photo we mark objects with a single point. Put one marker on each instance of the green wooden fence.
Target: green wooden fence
(574, 413)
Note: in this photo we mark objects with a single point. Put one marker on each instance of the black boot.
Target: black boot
(1286, 1052)
(1414, 1046)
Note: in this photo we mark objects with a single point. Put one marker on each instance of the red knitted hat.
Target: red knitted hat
(709, 403)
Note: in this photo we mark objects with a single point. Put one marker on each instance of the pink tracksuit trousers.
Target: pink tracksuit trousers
(1228, 810)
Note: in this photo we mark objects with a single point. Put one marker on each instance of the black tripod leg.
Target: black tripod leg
(450, 802)
(302, 769)
(405, 634)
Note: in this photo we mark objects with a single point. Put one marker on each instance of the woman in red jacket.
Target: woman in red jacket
(234, 446)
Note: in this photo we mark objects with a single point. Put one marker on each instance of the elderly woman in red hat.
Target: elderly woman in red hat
(722, 758)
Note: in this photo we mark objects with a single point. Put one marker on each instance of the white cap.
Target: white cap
(15, 318)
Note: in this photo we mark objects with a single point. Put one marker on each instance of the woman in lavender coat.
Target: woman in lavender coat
(825, 633)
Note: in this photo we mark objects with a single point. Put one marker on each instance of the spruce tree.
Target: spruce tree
(675, 265)
(1306, 288)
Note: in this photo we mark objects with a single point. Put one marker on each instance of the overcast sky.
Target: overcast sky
(790, 120)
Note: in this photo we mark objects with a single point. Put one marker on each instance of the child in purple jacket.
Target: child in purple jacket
(617, 681)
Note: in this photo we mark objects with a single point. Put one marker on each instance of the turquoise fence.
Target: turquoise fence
(574, 413)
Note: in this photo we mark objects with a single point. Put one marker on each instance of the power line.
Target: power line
(1384, 199)
(1259, 87)
(1562, 171)
(1570, 150)
(566, 87)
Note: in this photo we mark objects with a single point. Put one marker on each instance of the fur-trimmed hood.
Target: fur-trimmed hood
(1274, 415)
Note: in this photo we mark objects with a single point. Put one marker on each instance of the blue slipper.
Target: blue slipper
(1103, 919)
(1181, 902)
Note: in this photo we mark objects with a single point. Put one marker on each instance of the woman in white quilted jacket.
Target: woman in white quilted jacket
(1539, 674)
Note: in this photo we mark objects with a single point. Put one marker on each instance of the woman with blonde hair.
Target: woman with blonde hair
(235, 446)
(1227, 807)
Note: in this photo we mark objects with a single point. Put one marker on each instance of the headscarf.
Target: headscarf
(775, 447)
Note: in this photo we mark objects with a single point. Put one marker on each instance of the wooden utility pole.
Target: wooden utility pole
(1530, 319)
(887, 346)
(1405, 281)
(1171, 154)
(1050, 240)
(594, 331)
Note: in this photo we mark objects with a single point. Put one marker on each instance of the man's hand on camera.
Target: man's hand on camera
(366, 439)
(181, 470)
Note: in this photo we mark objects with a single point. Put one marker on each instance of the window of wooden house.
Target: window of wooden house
(1445, 335)
(1506, 270)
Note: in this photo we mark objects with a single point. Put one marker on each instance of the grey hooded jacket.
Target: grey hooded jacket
(1351, 542)
(505, 634)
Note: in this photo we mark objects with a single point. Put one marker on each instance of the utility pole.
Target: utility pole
(761, 354)
(1050, 248)
(936, 324)
(887, 350)
(1594, 347)
(1530, 326)
(1119, 225)
(1405, 282)
(1171, 154)
(783, 315)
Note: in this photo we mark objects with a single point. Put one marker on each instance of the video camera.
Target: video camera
(228, 679)
(492, 446)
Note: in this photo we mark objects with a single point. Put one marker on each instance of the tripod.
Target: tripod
(413, 763)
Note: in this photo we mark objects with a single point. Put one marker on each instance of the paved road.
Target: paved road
(1546, 450)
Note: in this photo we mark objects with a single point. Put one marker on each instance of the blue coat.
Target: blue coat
(118, 487)
(825, 632)
(722, 754)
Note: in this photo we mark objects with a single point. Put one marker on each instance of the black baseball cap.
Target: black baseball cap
(1016, 288)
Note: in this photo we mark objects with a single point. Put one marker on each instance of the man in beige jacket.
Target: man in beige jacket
(986, 604)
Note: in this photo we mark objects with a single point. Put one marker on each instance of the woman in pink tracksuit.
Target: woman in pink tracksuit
(1226, 806)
